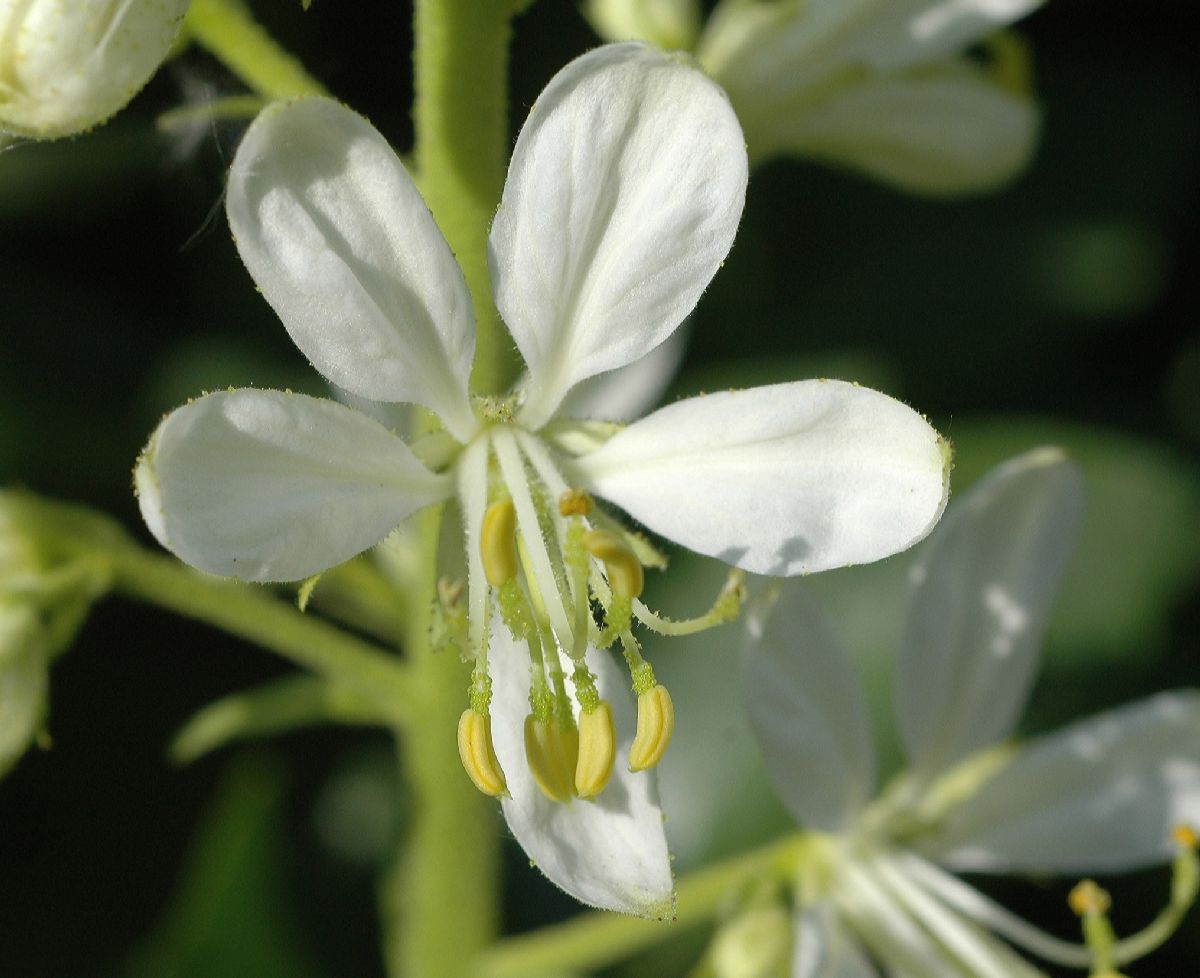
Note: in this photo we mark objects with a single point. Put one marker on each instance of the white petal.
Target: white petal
(609, 853)
(823, 948)
(808, 711)
(779, 480)
(267, 486)
(1101, 795)
(344, 249)
(630, 391)
(903, 33)
(622, 199)
(767, 48)
(984, 585)
(939, 131)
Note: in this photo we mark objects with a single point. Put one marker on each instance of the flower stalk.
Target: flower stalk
(461, 118)
(226, 29)
(438, 902)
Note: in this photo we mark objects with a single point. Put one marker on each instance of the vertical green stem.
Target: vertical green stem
(440, 901)
(461, 117)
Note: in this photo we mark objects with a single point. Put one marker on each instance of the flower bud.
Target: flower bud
(24, 677)
(597, 750)
(68, 65)
(754, 944)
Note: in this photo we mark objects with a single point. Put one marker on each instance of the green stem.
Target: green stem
(226, 29)
(461, 118)
(252, 613)
(439, 902)
(278, 707)
(595, 940)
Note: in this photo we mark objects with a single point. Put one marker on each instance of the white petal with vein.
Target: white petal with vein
(267, 486)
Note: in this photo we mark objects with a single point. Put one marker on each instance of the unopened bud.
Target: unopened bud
(597, 750)
(553, 753)
(24, 677)
(477, 754)
(67, 65)
(655, 724)
(754, 944)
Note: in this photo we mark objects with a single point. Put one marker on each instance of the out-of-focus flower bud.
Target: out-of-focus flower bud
(24, 671)
(68, 65)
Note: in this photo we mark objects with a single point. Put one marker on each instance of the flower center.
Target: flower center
(559, 574)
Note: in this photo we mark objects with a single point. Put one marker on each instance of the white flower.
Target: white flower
(67, 65)
(623, 195)
(885, 87)
(1100, 796)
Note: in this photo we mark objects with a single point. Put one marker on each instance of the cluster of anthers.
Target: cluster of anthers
(560, 574)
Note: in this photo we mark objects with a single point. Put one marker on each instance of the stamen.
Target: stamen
(947, 928)
(621, 565)
(597, 750)
(477, 754)
(552, 750)
(1088, 899)
(472, 496)
(542, 579)
(575, 502)
(1185, 837)
(725, 608)
(498, 543)
(1092, 904)
(985, 911)
(575, 558)
(655, 724)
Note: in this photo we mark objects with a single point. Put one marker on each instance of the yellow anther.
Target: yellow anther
(553, 753)
(498, 543)
(621, 565)
(1185, 837)
(477, 754)
(655, 724)
(575, 502)
(1088, 898)
(597, 750)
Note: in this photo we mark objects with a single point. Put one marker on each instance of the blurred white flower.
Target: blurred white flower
(1102, 795)
(622, 199)
(68, 65)
(923, 94)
